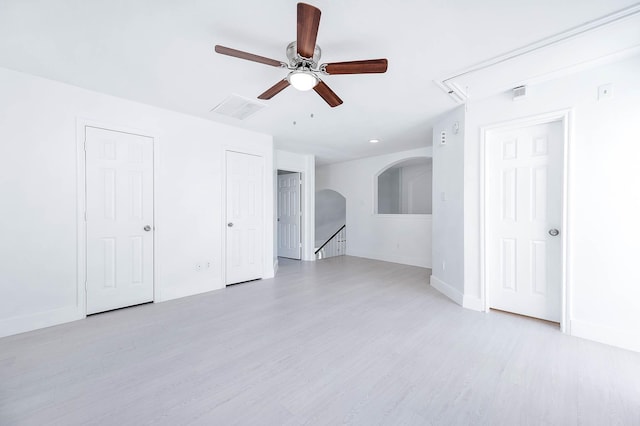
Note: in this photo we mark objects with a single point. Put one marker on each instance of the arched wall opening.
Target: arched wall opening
(405, 187)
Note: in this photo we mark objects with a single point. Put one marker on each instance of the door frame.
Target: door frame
(302, 227)
(306, 166)
(565, 118)
(81, 203)
(307, 206)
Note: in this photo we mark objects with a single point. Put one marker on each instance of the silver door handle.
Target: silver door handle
(147, 228)
(230, 224)
(554, 232)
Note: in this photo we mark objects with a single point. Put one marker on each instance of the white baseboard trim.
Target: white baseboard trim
(473, 303)
(403, 260)
(275, 267)
(447, 290)
(21, 324)
(179, 293)
(270, 271)
(625, 339)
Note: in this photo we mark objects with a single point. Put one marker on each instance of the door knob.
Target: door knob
(147, 228)
(554, 232)
(230, 224)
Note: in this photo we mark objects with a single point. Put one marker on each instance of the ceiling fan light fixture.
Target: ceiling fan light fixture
(302, 80)
(304, 60)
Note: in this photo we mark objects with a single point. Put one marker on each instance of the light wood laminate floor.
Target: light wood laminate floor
(340, 341)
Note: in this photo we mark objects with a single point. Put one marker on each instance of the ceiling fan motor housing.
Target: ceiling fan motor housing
(295, 60)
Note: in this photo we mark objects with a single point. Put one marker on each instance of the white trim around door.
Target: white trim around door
(306, 169)
(565, 118)
(81, 205)
(289, 215)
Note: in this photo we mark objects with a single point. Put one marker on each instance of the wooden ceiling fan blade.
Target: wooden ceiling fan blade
(369, 66)
(275, 89)
(248, 56)
(327, 94)
(308, 24)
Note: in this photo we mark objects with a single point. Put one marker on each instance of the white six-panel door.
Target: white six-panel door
(289, 215)
(119, 219)
(524, 208)
(244, 250)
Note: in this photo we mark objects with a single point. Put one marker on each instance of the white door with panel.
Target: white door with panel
(245, 227)
(119, 219)
(524, 218)
(289, 215)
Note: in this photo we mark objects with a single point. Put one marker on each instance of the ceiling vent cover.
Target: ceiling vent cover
(238, 107)
(519, 92)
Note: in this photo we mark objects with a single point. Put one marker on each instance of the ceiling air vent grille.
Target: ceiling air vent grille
(238, 107)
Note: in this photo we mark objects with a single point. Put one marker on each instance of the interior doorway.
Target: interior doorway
(524, 220)
(289, 214)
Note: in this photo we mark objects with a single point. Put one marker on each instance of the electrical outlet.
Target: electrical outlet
(198, 266)
(605, 91)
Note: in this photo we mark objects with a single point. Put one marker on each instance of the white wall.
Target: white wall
(38, 228)
(394, 238)
(448, 207)
(331, 214)
(305, 164)
(603, 199)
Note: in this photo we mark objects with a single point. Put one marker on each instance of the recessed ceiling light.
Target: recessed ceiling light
(374, 140)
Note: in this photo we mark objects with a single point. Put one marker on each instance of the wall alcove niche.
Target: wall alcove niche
(405, 187)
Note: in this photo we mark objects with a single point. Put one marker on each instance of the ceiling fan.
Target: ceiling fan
(303, 55)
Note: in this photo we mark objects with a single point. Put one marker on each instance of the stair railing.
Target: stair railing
(336, 245)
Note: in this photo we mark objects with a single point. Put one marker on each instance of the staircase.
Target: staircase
(336, 245)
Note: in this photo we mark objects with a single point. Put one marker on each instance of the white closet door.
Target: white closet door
(245, 226)
(119, 197)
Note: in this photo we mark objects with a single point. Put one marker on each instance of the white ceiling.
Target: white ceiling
(160, 52)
